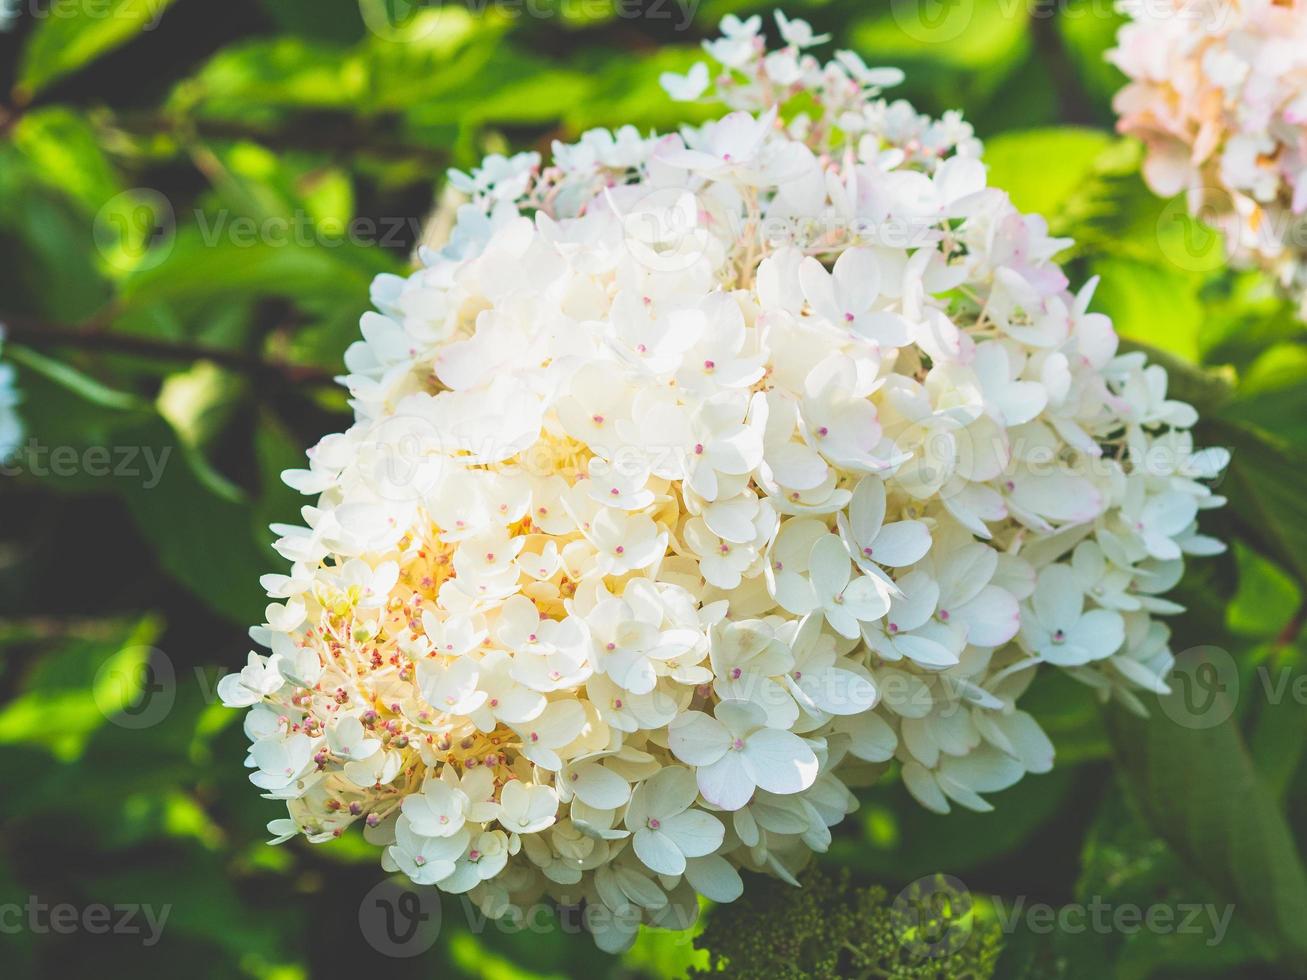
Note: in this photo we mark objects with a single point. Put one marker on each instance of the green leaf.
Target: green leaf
(1123, 864)
(71, 36)
(66, 155)
(204, 540)
(1264, 485)
(1273, 395)
(988, 34)
(202, 528)
(82, 385)
(77, 688)
(1152, 303)
(204, 904)
(282, 72)
(326, 20)
(1267, 598)
(231, 255)
(1042, 169)
(1200, 792)
(1278, 739)
(48, 261)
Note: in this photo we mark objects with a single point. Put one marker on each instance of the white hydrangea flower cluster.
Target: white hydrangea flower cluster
(1218, 93)
(11, 425)
(698, 478)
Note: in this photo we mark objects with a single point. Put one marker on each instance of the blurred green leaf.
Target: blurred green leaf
(1264, 485)
(1041, 169)
(65, 153)
(1124, 864)
(1152, 304)
(1219, 817)
(78, 687)
(1267, 598)
(71, 36)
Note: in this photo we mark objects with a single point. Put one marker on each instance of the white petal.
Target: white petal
(1058, 599)
(696, 833)
(921, 783)
(658, 852)
(727, 783)
(714, 878)
(780, 762)
(697, 739)
(599, 787)
(925, 651)
(899, 544)
(991, 618)
(669, 791)
(871, 738)
(1099, 631)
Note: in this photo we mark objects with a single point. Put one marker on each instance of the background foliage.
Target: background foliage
(194, 198)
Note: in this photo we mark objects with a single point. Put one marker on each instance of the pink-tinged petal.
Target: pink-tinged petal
(991, 618)
(1058, 497)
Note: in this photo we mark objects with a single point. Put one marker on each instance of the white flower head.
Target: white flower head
(685, 489)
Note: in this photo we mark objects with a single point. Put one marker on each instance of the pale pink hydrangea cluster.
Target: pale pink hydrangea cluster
(697, 478)
(1218, 93)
